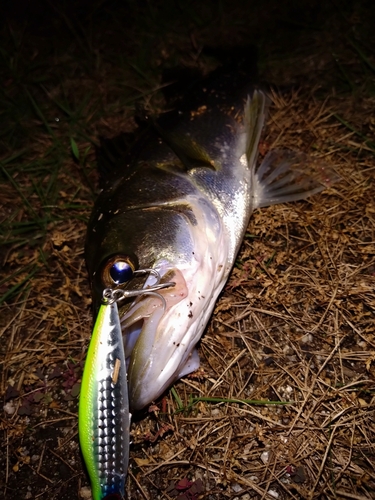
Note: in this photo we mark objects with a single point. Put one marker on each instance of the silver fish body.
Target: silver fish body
(181, 206)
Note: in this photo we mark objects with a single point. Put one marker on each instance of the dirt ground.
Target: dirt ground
(295, 324)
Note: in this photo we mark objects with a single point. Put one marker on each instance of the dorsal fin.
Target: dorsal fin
(190, 153)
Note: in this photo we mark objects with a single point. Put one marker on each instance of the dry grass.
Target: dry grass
(294, 325)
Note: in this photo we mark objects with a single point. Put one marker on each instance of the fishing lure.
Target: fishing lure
(104, 418)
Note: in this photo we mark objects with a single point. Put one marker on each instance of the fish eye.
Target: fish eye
(121, 272)
(118, 270)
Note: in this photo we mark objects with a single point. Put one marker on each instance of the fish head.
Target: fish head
(160, 330)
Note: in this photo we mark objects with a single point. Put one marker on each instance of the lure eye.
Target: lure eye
(121, 271)
(118, 270)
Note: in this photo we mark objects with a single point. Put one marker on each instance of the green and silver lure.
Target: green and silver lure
(103, 416)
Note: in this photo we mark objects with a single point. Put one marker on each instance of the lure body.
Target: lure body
(104, 418)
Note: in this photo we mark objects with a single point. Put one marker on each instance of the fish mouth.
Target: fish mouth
(153, 340)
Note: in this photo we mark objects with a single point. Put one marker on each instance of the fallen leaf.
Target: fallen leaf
(142, 461)
(183, 484)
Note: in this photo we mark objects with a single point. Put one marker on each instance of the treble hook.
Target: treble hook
(111, 295)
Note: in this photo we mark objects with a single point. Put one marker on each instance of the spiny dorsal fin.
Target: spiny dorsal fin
(191, 154)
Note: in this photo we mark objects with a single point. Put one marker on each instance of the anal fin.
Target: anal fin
(192, 364)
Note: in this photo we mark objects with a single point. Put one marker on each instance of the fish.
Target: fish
(164, 234)
(181, 205)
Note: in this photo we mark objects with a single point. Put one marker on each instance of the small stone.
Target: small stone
(292, 359)
(265, 456)
(85, 493)
(236, 487)
(9, 408)
(273, 493)
(307, 339)
(287, 350)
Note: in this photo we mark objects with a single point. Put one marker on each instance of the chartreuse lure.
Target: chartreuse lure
(104, 418)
